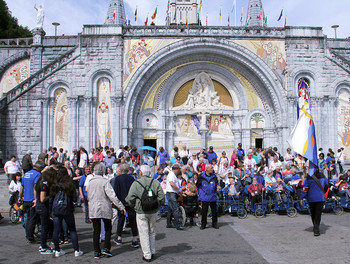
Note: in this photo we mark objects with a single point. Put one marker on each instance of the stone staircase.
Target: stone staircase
(39, 76)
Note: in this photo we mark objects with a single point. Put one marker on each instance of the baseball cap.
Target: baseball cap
(240, 144)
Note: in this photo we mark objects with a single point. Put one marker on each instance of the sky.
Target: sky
(73, 14)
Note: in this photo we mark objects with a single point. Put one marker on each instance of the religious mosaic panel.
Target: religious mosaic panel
(272, 52)
(344, 122)
(220, 133)
(303, 93)
(137, 51)
(187, 132)
(257, 121)
(14, 76)
(150, 122)
(104, 133)
(61, 119)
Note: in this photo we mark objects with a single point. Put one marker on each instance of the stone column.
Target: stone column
(116, 121)
(73, 124)
(50, 136)
(93, 122)
(45, 128)
(204, 137)
(36, 50)
(246, 138)
(333, 124)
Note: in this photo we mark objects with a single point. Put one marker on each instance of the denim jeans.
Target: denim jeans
(45, 227)
(173, 209)
(86, 207)
(57, 222)
(346, 193)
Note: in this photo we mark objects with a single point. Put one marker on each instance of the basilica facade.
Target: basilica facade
(181, 83)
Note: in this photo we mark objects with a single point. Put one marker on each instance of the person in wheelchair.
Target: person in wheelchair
(190, 201)
(343, 187)
(280, 191)
(234, 189)
(255, 190)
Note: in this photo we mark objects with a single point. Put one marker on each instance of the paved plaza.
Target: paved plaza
(273, 239)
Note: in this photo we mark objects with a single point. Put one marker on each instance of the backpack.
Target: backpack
(281, 159)
(149, 201)
(60, 204)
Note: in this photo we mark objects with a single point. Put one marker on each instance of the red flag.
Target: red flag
(114, 15)
(155, 13)
(260, 16)
(146, 22)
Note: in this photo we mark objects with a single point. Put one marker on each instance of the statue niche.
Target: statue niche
(202, 96)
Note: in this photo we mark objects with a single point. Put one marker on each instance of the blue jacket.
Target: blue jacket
(211, 156)
(207, 186)
(312, 192)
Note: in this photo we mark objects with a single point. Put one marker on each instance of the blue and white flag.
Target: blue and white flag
(303, 138)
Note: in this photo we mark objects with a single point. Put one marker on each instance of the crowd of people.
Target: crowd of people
(113, 186)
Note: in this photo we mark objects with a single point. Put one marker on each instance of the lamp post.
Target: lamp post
(335, 30)
(56, 24)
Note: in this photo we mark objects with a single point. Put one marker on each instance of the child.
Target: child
(190, 201)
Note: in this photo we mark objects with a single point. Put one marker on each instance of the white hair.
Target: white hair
(100, 169)
(146, 170)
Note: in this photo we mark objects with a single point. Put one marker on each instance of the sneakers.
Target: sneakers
(45, 251)
(135, 244)
(59, 253)
(78, 253)
(107, 252)
(117, 241)
(98, 255)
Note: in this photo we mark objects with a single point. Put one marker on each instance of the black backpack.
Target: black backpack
(281, 159)
(149, 201)
(60, 206)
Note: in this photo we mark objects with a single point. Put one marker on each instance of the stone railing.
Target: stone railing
(16, 42)
(13, 58)
(38, 77)
(339, 60)
(151, 31)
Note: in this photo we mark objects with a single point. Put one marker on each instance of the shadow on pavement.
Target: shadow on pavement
(323, 229)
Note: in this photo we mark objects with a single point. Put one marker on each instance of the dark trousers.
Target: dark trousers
(57, 223)
(96, 223)
(86, 206)
(316, 212)
(256, 199)
(173, 209)
(205, 206)
(46, 226)
(132, 222)
(32, 220)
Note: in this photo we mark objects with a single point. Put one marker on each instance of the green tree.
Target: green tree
(9, 27)
(258, 118)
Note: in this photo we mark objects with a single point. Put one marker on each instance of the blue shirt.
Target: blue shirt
(295, 177)
(108, 161)
(173, 160)
(155, 176)
(328, 161)
(211, 156)
(163, 157)
(240, 153)
(28, 182)
(81, 184)
(313, 192)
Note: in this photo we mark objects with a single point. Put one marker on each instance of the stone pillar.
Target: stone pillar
(116, 121)
(333, 124)
(36, 50)
(204, 137)
(50, 136)
(246, 138)
(170, 139)
(237, 136)
(73, 122)
(93, 122)
(138, 137)
(269, 138)
(45, 128)
(161, 138)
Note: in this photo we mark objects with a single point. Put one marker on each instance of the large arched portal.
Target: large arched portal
(158, 99)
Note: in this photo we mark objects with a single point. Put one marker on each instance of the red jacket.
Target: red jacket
(253, 188)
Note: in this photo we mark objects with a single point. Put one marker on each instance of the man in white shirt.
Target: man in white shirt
(185, 154)
(172, 192)
(249, 161)
(275, 163)
(11, 168)
(83, 159)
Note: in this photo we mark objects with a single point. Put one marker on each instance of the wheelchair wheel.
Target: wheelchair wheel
(259, 213)
(14, 216)
(242, 213)
(246, 203)
(182, 216)
(338, 210)
(292, 212)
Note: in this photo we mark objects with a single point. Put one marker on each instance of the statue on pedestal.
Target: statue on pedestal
(40, 16)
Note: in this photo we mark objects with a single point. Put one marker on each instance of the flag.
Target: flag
(167, 11)
(242, 16)
(234, 5)
(248, 22)
(220, 14)
(265, 22)
(186, 21)
(114, 15)
(175, 14)
(146, 22)
(228, 20)
(154, 14)
(260, 16)
(285, 21)
(136, 14)
(107, 19)
(280, 15)
(200, 6)
(126, 20)
(303, 138)
(206, 21)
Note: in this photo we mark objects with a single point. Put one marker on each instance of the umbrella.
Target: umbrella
(148, 148)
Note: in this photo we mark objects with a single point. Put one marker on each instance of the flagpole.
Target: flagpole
(235, 13)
